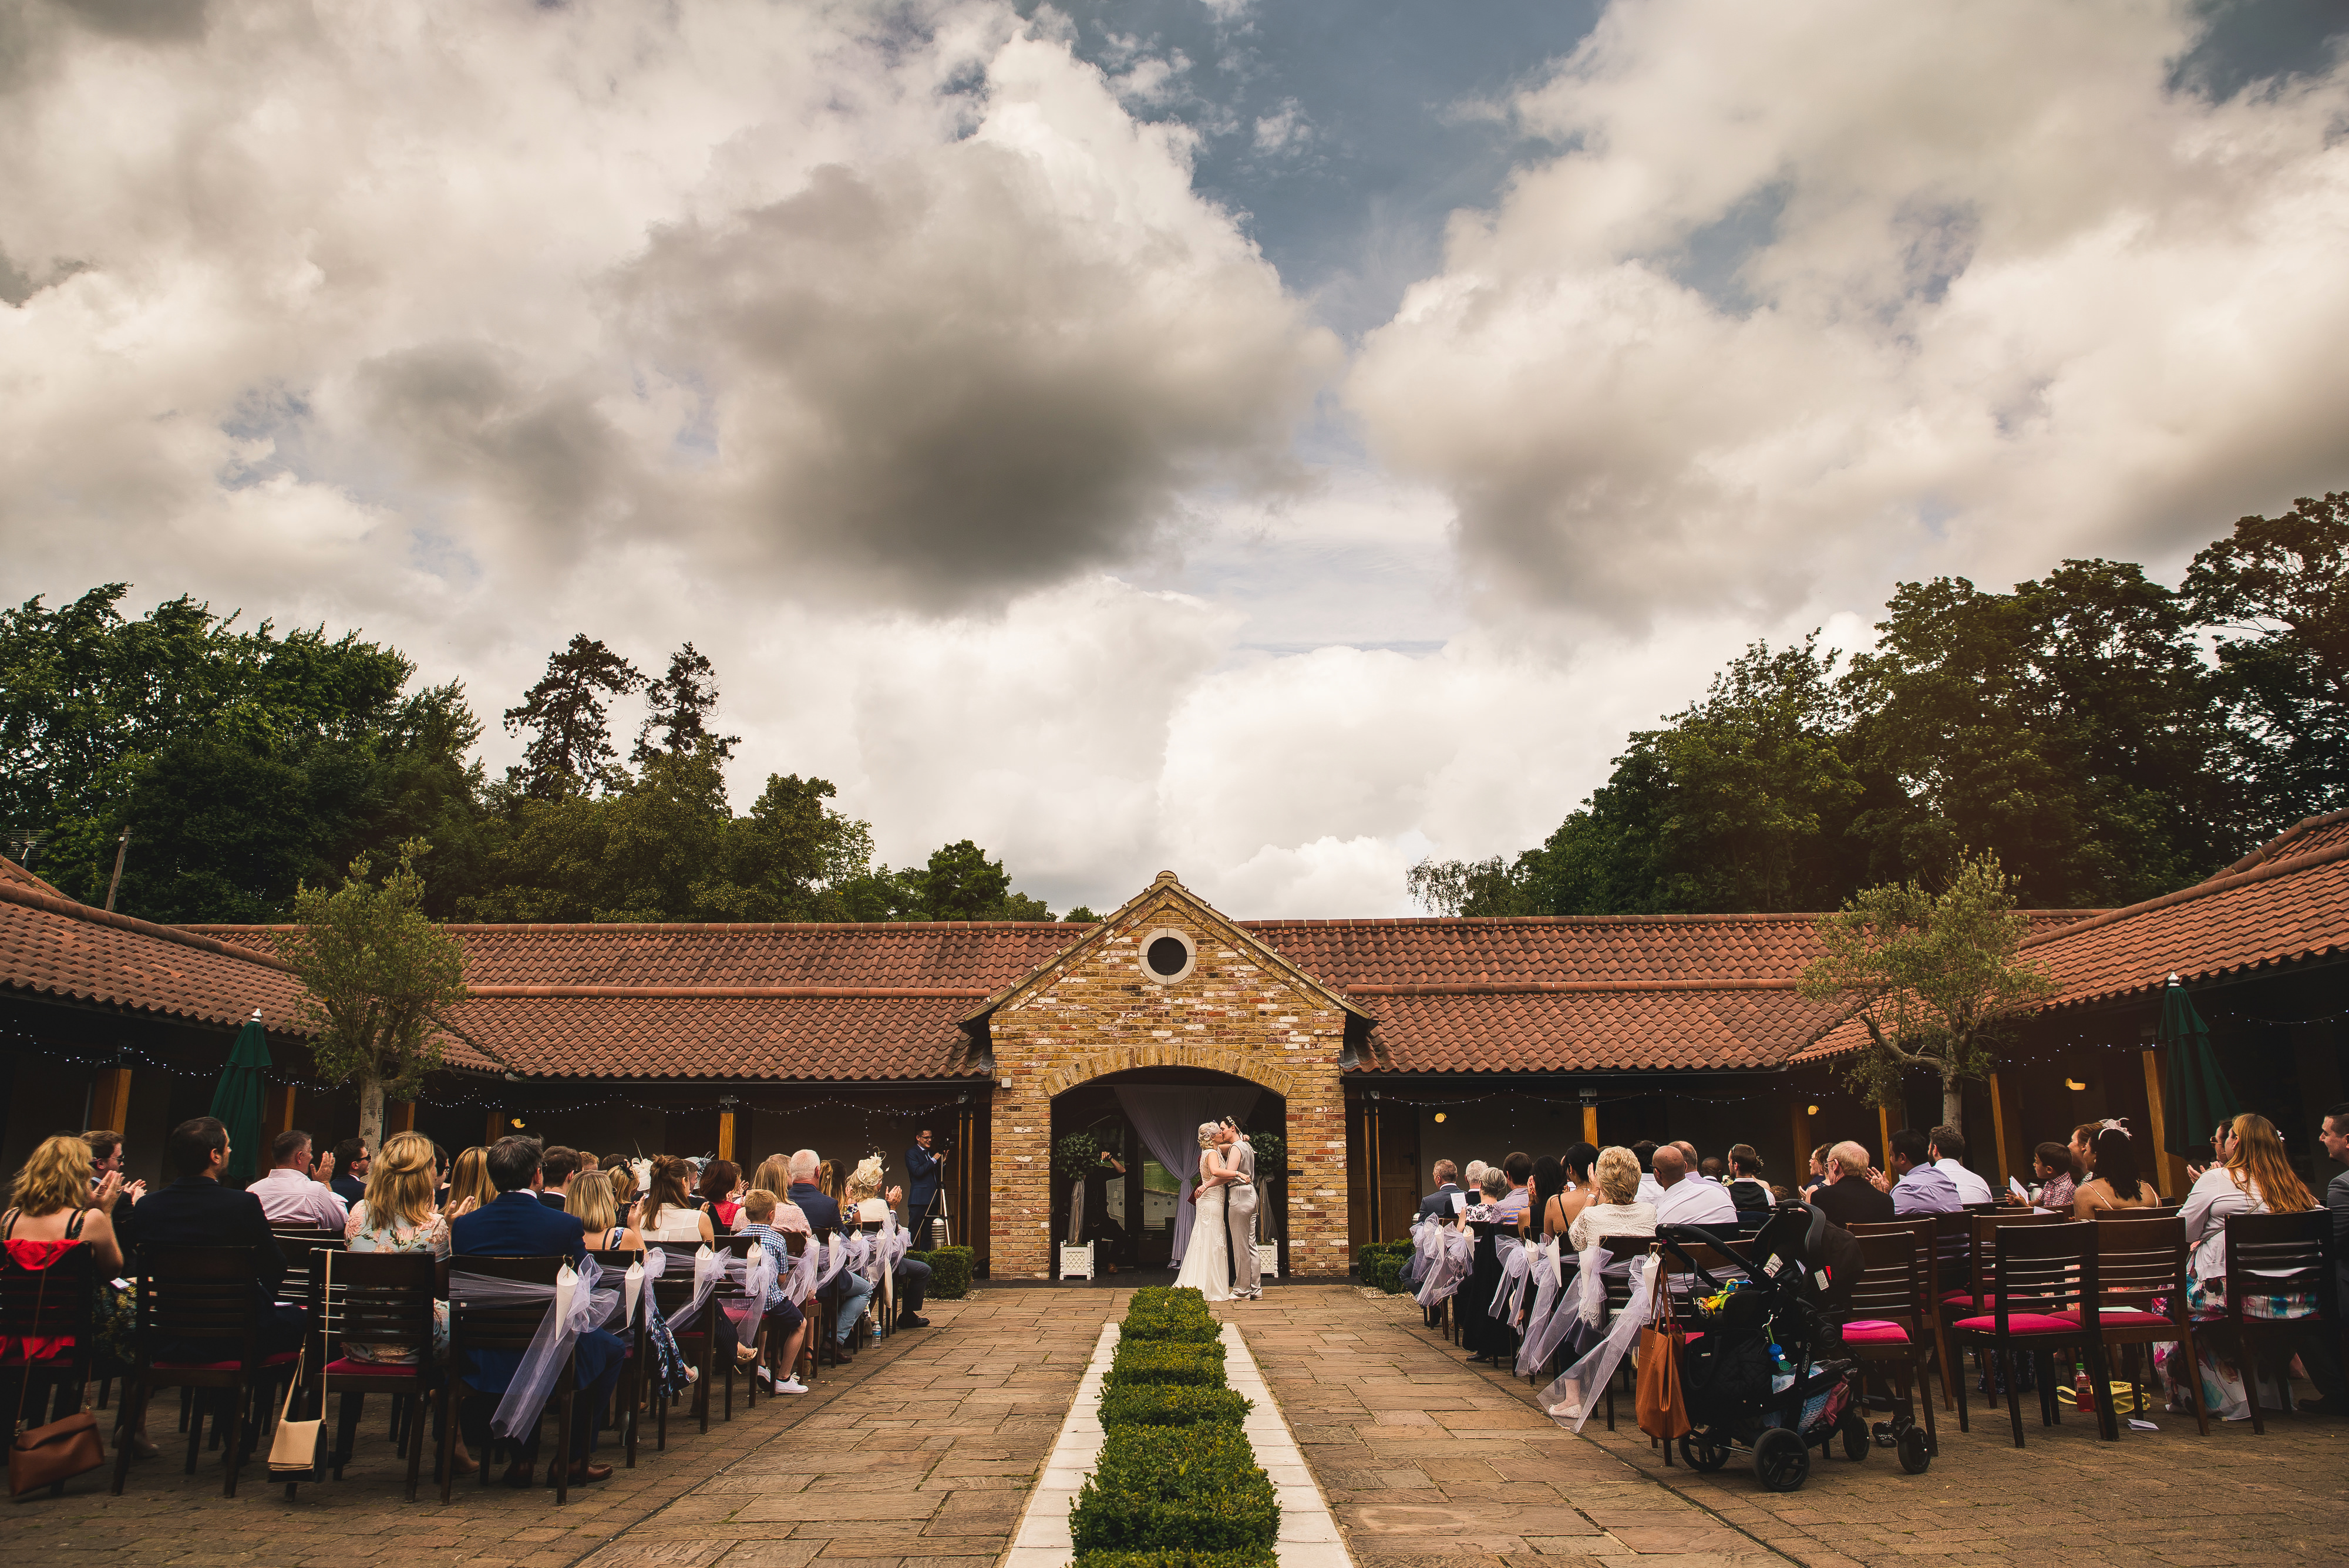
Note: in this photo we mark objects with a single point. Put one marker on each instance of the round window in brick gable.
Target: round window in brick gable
(1167, 956)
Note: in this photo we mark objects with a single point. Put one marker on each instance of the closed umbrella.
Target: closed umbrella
(236, 1102)
(2199, 1095)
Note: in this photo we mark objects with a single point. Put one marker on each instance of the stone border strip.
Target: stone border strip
(1042, 1540)
(1309, 1533)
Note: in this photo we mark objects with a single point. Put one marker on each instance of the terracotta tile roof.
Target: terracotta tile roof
(2286, 902)
(11, 872)
(52, 946)
(784, 1001)
(1619, 992)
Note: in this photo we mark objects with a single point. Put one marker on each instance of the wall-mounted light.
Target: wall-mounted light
(1439, 1115)
(513, 1122)
(2074, 1084)
(1812, 1111)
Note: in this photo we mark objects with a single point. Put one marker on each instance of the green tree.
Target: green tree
(241, 762)
(2276, 593)
(379, 978)
(1936, 976)
(569, 749)
(680, 703)
(2071, 726)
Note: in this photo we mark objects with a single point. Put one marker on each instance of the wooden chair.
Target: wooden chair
(629, 1394)
(299, 1248)
(1931, 1247)
(697, 1344)
(476, 1325)
(2142, 1281)
(1896, 1289)
(2271, 1255)
(1618, 1291)
(206, 1295)
(378, 1298)
(53, 1303)
(2040, 1273)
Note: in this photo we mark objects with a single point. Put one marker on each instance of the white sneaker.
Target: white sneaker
(766, 1374)
(790, 1386)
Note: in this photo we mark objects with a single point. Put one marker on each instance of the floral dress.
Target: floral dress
(362, 1234)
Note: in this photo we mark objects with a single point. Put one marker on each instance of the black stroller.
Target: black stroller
(1762, 1367)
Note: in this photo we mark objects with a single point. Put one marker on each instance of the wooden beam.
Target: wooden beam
(1801, 1124)
(279, 1107)
(109, 1099)
(2173, 1169)
(494, 1126)
(726, 1135)
(1883, 1136)
(1590, 1126)
(1998, 1132)
(399, 1116)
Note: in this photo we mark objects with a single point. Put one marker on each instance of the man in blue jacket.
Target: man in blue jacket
(516, 1224)
(923, 1170)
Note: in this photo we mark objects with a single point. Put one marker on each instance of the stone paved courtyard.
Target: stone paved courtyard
(920, 1455)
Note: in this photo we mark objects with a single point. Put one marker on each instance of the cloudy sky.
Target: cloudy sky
(1271, 440)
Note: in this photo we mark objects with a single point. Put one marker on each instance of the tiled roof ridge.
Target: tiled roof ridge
(624, 926)
(2273, 847)
(1544, 987)
(2223, 883)
(726, 992)
(1484, 921)
(58, 904)
(10, 871)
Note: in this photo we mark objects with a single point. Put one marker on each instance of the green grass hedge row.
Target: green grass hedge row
(1183, 1557)
(1370, 1250)
(1160, 1488)
(1183, 1320)
(1163, 1361)
(1171, 1405)
(950, 1270)
(1386, 1274)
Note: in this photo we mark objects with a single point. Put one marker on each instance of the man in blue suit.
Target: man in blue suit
(516, 1224)
(923, 1172)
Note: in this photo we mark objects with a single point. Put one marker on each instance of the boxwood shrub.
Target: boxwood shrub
(1183, 1557)
(1171, 1405)
(1158, 1361)
(1196, 1487)
(950, 1270)
(1184, 1318)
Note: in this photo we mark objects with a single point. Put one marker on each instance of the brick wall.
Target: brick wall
(1101, 1010)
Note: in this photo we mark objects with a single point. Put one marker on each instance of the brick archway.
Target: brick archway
(1247, 1064)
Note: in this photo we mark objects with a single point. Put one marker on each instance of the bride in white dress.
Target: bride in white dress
(1206, 1264)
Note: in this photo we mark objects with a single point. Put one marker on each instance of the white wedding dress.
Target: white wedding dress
(1206, 1264)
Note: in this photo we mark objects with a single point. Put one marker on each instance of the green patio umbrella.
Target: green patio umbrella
(2199, 1095)
(237, 1101)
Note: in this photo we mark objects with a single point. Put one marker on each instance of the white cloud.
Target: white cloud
(1983, 291)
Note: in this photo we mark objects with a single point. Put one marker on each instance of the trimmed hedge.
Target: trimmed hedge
(1171, 1405)
(1157, 1361)
(950, 1270)
(1194, 1487)
(1178, 1316)
(1369, 1252)
(1386, 1274)
(1183, 1557)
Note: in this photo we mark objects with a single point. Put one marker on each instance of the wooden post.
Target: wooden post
(1802, 1134)
(109, 1099)
(1883, 1136)
(726, 1135)
(1591, 1124)
(2173, 1169)
(494, 1126)
(399, 1116)
(1998, 1132)
(279, 1104)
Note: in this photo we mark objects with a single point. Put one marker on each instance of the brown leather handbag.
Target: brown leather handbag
(1664, 1413)
(54, 1454)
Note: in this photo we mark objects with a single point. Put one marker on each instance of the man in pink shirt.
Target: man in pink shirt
(289, 1195)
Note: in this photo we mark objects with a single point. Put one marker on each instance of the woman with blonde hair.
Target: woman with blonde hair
(1619, 1211)
(2257, 1178)
(397, 1215)
(593, 1205)
(469, 1186)
(775, 1176)
(51, 1211)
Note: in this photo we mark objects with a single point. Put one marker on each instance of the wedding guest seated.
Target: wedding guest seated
(516, 1224)
(1710, 1168)
(1848, 1197)
(786, 1324)
(556, 1171)
(911, 1280)
(623, 1178)
(1819, 1175)
(2051, 1167)
(1747, 1191)
(289, 1195)
(1516, 1203)
(350, 1171)
(2256, 1178)
(721, 1181)
(1645, 1153)
(598, 1212)
(469, 1182)
(1437, 1205)
(1579, 1194)
(849, 1291)
(1549, 1183)
(395, 1214)
(50, 1201)
(2117, 1184)
(1918, 1186)
(196, 1211)
(1492, 1188)
(1947, 1149)
(1619, 1210)
(667, 1212)
(1688, 1200)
